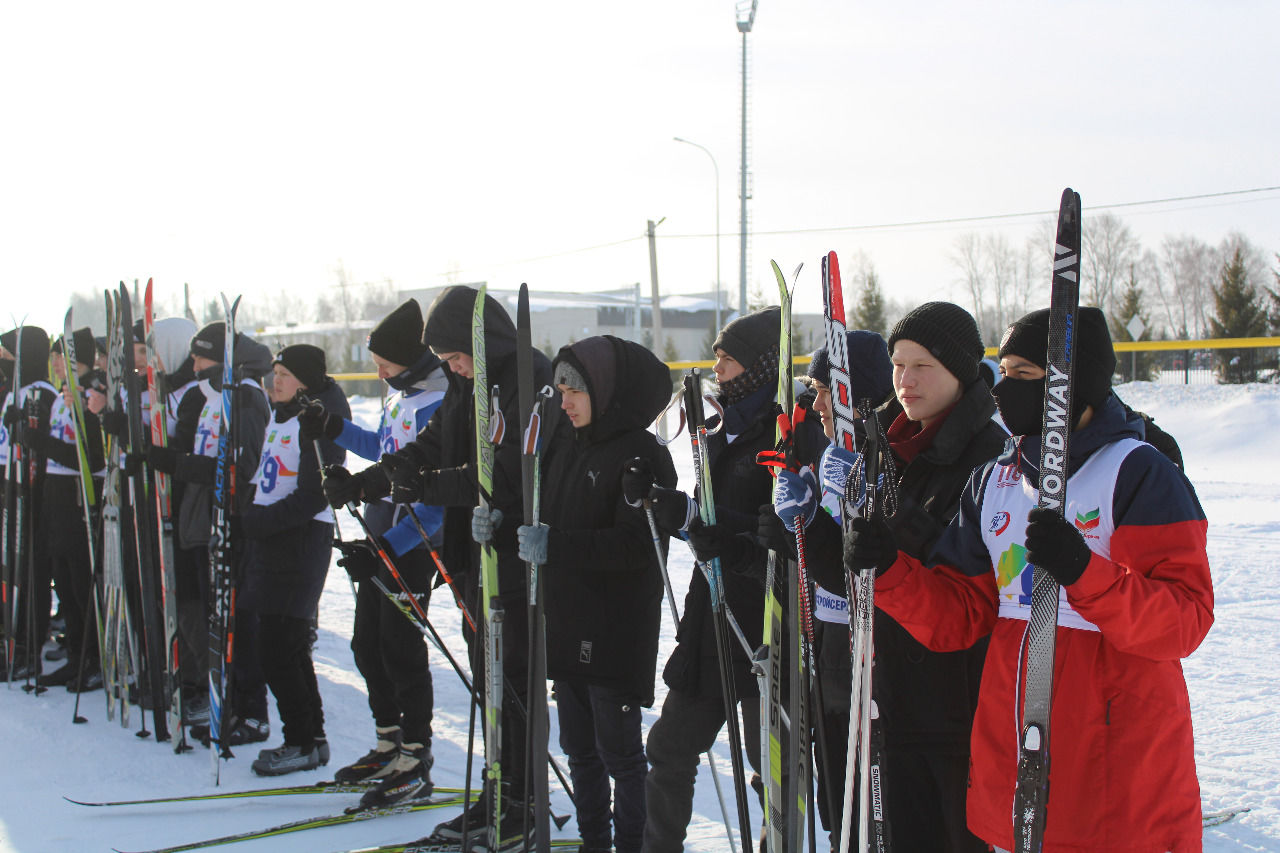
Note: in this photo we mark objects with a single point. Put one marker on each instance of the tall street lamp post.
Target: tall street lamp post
(715, 166)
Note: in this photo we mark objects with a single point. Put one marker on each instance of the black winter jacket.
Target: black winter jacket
(926, 699)
(446, 449)
(284, 569)
(741, 486)
(603, 586)
(251, 411)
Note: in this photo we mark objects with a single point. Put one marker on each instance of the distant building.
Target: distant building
(558, 318)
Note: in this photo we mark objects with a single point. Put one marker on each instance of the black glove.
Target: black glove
(340, 487)
(315, 422)
(637, 481)
(360, 558)
(714, 540)
(114, 423)
(772, 532)
(12, 414)
(869, 543)
(672, 509)
(133, 463)
(407, 481)
(1054, 544)
(162, 459)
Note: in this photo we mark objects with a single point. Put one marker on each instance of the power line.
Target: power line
(890, 226)
(994, 217)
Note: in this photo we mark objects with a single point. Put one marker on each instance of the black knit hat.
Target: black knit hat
(35, 352)
(139, 332)
(210, 342)
(948, 332)
(748, 337)
(306, 362)
(870, 371)
(398, 338)
(83, 341)
(1028, 337)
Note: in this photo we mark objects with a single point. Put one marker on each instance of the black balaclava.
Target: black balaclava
(1021, 401)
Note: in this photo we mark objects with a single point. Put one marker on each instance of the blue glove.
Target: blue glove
(531, 542)
(837, 467)
(483, 524)
(795, 498)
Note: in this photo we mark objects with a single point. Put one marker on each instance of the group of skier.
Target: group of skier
(947, 528)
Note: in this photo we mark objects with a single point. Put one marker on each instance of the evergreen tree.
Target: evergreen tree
(709, 342)
(669, 351)
(1275, 299)
(1239, 312)
(869, 312)
(1134, 365)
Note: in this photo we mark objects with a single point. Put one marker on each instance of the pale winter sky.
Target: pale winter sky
(251, 147)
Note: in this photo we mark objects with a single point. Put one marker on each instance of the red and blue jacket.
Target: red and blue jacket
(1122, 775)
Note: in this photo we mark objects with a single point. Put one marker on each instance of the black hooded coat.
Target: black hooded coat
(603, 587)
(446, 449)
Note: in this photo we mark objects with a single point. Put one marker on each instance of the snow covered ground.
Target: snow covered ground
(1226, 434)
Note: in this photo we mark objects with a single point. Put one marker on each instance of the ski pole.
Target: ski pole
(444, 573)
(417, 611)
(337, 531)
(675, 621)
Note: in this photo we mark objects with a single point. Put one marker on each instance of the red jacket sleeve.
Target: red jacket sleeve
(1154, 596)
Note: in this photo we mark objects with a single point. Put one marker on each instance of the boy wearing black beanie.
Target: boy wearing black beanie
(937, 428)
(746, 370)
(1136, 596)
(389, 651)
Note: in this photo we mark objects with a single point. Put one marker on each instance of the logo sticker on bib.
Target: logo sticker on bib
(1087, 522)
(1012, 563)
(999, 523)
(1008, 475)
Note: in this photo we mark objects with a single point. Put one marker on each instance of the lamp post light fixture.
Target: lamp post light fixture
(716, 167)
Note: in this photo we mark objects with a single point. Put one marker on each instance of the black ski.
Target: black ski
(1031, 794)
(320, 822)
(155, 667)
(719, 607)
(425, 845)
(328, 787)
(221, 568)
(536, 724)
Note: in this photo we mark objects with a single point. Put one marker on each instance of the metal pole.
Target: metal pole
(742, 191)
(653, 282)
(715, 166)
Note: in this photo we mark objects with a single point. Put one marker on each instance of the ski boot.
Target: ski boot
(409, 779)
(374, 764)
(288, 758)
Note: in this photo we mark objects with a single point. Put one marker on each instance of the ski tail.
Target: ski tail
(221, 629)
(157, 388)
(696, 423)
(1031, 792)
(537, 724)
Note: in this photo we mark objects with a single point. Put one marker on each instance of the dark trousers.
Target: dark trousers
(600, 733)
(829, 771)
(248, 699)
(285, 642)
(73, 580)
(686, 728)
(391, 653)
(192, 571)
(924, 800)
